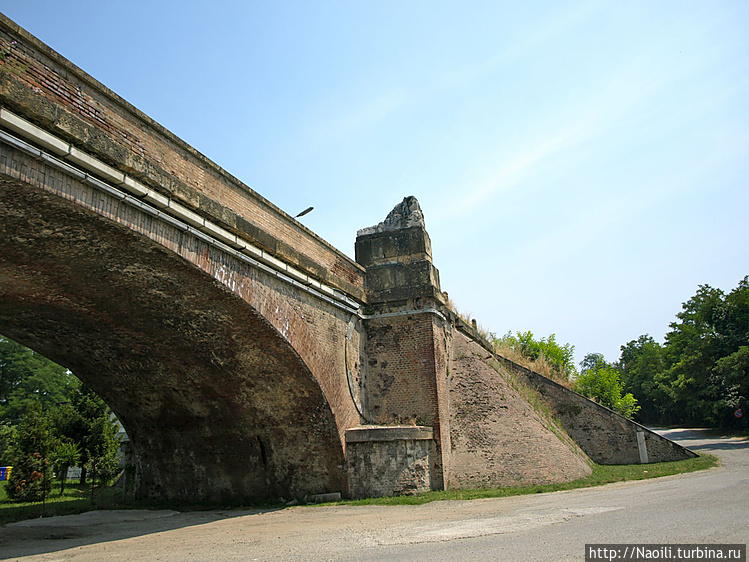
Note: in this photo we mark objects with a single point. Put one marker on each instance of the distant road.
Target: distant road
(705, 507)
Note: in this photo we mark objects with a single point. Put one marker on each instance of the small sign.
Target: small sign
(738, 413)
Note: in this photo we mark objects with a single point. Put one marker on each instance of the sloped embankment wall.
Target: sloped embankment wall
(605, 436)
(497, 438)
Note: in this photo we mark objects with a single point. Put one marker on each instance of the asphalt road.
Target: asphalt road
(706, 507)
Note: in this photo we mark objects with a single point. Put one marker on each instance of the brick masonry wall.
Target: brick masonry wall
(322, 340)
(497, 439)
(402, 379)
(51, 92)
(442, 344)
(401, 369)
(605, 436)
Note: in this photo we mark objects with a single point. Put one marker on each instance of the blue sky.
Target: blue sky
(582, 166)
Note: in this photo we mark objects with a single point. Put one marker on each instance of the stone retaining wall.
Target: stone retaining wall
(605, 436)
(388, 460)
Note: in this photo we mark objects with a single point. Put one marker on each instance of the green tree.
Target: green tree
(87, 422)
(600, 381)
(27, 377)
(64, 455)
(640, 363)
(102, 446)
(731, 320)
(592, 361)
(31, 477)
(14, 368)
(7, 437)
(691, 353)
(730, 375)
(705, 376)
(700, 375)
(79, 418)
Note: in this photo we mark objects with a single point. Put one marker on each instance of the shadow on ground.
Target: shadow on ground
(55, 534)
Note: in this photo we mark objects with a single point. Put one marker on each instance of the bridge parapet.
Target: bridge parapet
(50, 92)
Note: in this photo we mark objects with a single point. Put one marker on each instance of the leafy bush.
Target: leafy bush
(558, 361)
(600, 381)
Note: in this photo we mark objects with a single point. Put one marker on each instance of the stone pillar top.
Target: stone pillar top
(398, 256)
(405, 214)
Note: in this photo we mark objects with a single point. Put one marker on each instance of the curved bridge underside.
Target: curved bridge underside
(218, 405)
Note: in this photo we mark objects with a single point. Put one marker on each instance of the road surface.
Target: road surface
(706, 507)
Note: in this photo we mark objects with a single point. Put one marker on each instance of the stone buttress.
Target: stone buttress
(407, 335)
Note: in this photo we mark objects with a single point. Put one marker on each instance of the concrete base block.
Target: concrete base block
(388, 460)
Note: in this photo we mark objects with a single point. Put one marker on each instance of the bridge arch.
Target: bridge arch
(224, 386)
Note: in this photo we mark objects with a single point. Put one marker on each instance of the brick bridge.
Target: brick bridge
(245, 356)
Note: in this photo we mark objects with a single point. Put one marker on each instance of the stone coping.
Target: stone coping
(369, 433)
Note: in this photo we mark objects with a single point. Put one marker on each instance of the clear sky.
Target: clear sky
(583, 166)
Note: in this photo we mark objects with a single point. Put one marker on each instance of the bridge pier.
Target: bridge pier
(408, 337)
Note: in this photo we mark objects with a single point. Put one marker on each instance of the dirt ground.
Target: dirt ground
(542, 526)
(296, 533)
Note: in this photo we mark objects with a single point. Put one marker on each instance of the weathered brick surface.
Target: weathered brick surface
(401, 369)
(442, 341)
(51, 92)
(388, 461)
(497, 439)
(406, 376)
(605, 436)
(230, 382)
(407, 337)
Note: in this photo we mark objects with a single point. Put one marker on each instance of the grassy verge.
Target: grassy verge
(77, 499)
(601, 475)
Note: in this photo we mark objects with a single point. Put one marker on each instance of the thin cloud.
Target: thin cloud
(616, 102)
(364, 115)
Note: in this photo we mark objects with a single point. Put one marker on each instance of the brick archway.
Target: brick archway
(218, 405)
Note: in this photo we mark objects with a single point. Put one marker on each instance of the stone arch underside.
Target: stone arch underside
(218, 405)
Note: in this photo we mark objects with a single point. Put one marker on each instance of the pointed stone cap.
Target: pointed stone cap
(398, 256)
(405, 214)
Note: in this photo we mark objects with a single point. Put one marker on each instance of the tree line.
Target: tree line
(50, 421)
(698, 376)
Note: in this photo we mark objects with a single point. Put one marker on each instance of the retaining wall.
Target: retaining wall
(388, 461)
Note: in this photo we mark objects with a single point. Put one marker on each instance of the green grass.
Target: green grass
(77, 499)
